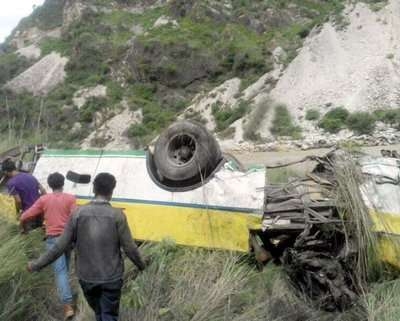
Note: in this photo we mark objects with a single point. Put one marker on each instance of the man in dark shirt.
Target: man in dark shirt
(98, 231)
(25, 189)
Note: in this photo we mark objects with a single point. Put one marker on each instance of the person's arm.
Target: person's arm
(18, 203)
(127, 243)
(59, 247)
(42, 190)
(73, 206)
(12, 191)
(35, 210)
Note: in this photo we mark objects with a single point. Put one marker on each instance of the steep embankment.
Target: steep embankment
(115, 73)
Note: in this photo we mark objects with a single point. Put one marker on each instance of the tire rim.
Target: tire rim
(182, 149)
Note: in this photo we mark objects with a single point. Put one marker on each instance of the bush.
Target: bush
(226, 116)
(334, 120)
(390, 116)
(361, 123)
(138, 130)
(313, 114)
(92, 105)
(282, 125)
(10, 66)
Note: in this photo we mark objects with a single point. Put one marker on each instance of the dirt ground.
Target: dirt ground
(282, 157)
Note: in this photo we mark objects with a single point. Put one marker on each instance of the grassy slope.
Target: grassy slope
(180, 284)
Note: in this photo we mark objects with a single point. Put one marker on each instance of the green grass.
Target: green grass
(186, 284)
(58, 45)
(382, 302)
(23, 295)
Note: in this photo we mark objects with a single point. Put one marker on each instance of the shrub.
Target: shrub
(334, 120)
(361, 123)
(282, 124)
(313, 114)
(226, 116)
(93, 105)
(11, 65)
(251, 128)
(390, 116)
(138, 130)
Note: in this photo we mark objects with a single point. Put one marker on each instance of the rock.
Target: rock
(73, 11)
(137, 30)
(173, 65)
(279, 55)
(34, 35)
(81, 96)
(42, 77)
(30, 52)
(164, 21)
(76, 128)
(112, 135)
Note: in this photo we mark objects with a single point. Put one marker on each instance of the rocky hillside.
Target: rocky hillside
(113, 74)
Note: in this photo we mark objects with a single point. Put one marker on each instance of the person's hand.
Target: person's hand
(22, 227)
(29, 267)
(147, 261)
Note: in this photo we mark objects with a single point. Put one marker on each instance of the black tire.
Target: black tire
(186, 150)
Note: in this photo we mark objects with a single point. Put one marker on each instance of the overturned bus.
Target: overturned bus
(185, 189)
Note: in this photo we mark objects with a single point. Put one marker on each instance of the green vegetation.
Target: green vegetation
(93, 104)
(174, 63)
(361, 123)
(23, 295)
(155, 117)
(47, 16)
(11, 65)
(254, 122)
(54, 44)
(282, 124)
(224, 117)
(334, 120)
(388, 116)
(313, 114)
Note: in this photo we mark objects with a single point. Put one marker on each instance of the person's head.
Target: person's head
(104, 184)
(8, 167)
(56, 181)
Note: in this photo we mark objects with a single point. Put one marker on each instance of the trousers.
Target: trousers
(103, 298)
(61, 273)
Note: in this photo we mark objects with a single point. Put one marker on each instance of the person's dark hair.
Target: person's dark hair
(56, 181)
(104, 184)
(8, 166)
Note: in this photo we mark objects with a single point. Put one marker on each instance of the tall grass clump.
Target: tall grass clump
(23, 295)
(189, 284)
(382, 302)
(358, 225)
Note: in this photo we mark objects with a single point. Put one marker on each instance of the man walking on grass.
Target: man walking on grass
(98, 231)
(57, 208)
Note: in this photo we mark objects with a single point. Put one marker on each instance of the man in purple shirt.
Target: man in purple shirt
(23, 187)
